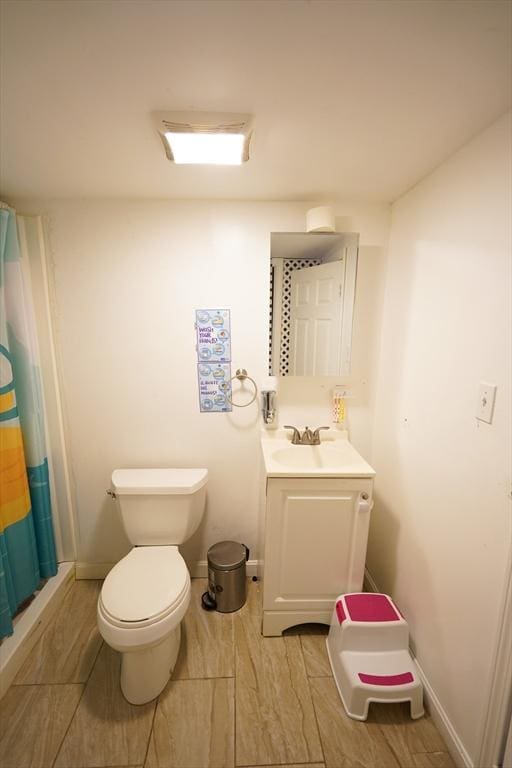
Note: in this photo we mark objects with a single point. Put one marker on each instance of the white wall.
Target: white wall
(128, 277)
(441, 527)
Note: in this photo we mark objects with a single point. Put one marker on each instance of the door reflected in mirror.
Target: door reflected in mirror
(312, 292)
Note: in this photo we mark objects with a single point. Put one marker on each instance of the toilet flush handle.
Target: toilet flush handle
(111, 494)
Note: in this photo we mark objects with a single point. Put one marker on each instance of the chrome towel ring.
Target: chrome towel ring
(241, 375)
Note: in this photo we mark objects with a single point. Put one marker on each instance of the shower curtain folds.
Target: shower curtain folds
(27, 546)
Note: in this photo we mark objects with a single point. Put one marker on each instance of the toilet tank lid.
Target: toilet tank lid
(158, 481)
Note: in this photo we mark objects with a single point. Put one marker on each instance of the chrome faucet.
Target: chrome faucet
(307, 438)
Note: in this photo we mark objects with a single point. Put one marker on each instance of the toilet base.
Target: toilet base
(144, 674)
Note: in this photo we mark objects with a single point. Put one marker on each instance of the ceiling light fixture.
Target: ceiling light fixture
(205, 138)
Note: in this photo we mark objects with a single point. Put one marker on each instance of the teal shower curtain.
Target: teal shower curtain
(27, 546)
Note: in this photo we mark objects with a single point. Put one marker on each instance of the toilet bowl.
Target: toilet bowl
(146, 595)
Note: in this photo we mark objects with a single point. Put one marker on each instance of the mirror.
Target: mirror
(312, 292)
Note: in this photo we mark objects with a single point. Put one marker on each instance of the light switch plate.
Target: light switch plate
(485, 404)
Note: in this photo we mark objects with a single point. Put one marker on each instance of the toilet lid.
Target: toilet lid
(158, 481)
(145, 585)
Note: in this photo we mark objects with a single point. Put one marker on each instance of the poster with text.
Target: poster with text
(214, 387)
(213, 328)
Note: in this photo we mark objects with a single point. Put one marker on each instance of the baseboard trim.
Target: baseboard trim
(198, 569)
(32, 623)
(439, 716)
(369, 582)
(93, 570)
(443, 723)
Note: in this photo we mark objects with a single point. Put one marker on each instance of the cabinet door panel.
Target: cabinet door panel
(317, 536)
(315, 544)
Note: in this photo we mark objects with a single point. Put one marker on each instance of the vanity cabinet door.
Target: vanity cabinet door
(315, 541)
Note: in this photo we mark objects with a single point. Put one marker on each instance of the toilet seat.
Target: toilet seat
(144, 597)
(144, 586)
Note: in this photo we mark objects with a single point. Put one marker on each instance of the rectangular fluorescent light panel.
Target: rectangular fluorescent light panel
(206, 148)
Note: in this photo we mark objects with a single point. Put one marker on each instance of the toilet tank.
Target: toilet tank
(160, 506)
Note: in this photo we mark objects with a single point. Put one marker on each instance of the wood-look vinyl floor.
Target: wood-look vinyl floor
(235, 699)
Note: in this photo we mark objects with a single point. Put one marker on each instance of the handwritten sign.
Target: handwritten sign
(214, 385)
(213, 330)
(213, 327)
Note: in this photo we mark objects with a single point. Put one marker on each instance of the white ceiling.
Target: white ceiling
(352, 99)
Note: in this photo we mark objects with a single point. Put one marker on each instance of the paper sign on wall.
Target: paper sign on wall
(213, 335)
(214, 385)
(213, 329)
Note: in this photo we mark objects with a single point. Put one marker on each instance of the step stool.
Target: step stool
(368, 647)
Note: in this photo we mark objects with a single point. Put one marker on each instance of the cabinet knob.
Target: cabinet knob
(364, 496)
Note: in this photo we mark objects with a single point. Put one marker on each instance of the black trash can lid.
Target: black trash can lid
(227, 555)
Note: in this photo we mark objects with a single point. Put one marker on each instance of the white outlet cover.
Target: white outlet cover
(485, 404)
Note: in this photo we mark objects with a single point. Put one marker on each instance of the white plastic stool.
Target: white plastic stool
(368, 650)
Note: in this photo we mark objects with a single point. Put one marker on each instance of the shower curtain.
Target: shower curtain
(27, 546)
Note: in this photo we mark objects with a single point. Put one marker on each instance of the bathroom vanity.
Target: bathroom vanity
(316, 515)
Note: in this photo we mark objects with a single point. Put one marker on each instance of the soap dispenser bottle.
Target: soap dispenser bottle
(339, 407)
(269, 402)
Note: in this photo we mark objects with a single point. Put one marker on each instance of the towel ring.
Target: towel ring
(241, 375)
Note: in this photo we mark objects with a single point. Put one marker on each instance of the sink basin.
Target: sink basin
(309, 456)
(334, 457)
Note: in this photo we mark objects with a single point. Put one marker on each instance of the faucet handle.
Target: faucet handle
(296, 434)
(316, 433)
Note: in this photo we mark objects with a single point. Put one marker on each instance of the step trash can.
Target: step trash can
(227, 582)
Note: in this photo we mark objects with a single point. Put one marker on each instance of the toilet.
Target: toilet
(147, 593)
